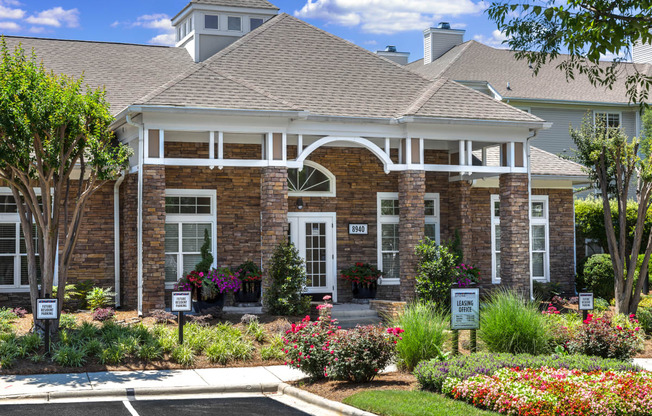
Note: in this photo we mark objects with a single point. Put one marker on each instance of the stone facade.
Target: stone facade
(274, 215)
(411, 193)
(459, 197)
(514, 233)
(153, 238)
(128, 241)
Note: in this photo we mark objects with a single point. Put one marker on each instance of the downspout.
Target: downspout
(529, 206)
(116, 236)
(139, 250)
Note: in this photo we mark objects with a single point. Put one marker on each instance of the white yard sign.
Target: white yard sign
(181, 301)
(47, 309)
(465, 308)
(586, 301)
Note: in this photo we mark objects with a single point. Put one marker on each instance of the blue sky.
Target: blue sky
(372, 24)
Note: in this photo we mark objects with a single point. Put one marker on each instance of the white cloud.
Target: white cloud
(458, 25)
(386, 17)
(115, 24)
(166, 39)
(495, 40)
(9, 13)
(55, 17)
(370, 42)
(9, 26)
(36, 29)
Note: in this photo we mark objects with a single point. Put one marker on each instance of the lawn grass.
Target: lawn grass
(411, 403)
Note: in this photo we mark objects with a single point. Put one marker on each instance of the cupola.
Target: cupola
(204, 27)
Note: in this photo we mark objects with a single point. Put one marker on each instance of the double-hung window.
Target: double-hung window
(539, 238)
(607, 119)
(13, 252)
(389, 260)
(188, 215)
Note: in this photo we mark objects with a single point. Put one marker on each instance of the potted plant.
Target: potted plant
(210, 287)
(250, 276)
(465, 275)
(363, 277)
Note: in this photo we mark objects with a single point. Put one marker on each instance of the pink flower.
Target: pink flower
(327, 297)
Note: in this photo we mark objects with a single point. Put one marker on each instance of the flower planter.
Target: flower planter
(361, 291)
(204, 304)
(249, 293)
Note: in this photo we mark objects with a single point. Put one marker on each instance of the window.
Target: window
(591, 247)
(13, 252)
(255, 23)
(313, 180)
(235, 23)
(189, 213)
(539, 238)
(211, 21)
(388, 231)
(608, 119)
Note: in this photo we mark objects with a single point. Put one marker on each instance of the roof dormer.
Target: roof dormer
(204, 27)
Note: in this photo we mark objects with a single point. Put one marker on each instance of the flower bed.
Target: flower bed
(550, 391)
(432, 374)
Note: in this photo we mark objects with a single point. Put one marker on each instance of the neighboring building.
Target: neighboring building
(261, 132)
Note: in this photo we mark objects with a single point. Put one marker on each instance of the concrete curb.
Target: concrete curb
(340, 408)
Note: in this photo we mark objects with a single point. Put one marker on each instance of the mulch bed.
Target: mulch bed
(339, 390)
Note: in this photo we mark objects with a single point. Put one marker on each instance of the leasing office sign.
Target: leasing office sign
(465, 308)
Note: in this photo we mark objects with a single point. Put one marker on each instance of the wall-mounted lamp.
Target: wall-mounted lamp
(300, 203)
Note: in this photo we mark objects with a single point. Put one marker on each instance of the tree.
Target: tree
(56, 150)
(541, 30)
(613, 162)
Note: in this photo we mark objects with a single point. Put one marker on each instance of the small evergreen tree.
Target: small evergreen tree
(288, 281)
(206, 256)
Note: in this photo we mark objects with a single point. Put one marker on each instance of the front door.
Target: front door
(313, 234)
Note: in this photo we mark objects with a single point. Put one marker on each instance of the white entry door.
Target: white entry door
(313, 234)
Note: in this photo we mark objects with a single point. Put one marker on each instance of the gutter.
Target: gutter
(116, 236)
(569, 102)
(141, 135)
(529, 207)
(206, 110)
(480, 122)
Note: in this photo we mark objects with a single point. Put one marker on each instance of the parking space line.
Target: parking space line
(130, 408)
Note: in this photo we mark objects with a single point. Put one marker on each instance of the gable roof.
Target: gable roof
(474, 61)
(127, 71)
(542, 163)
(254, 4)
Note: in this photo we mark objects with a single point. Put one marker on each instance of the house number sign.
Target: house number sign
(358, 228)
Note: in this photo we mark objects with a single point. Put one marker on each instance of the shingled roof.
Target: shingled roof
(254, 4)
(543, 163)
(474, 61)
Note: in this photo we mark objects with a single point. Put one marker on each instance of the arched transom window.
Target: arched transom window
(313, 180)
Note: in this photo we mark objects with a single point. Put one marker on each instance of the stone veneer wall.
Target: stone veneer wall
(153, 238)
(411, 192)
(514, 234)
(461, 220)
(274, 215)
(129, 241)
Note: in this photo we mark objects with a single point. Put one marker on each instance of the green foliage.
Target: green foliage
(256, 331)
(644, 316)
(206, 255)
(67, 321)
(600, 305)
(31, 342)
(50, 126)
(70, 292)
(249, 272)
(585, 30)
(274, 351)
(546, 291)
(288, 281)
(435, 273)
(597, 276)
(511, 324)
(99, 297)
(426, 330)
(150, 351)
(112, 354)
(184, 355)
(69, 356)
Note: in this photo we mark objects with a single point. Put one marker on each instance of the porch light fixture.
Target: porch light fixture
(300, 203)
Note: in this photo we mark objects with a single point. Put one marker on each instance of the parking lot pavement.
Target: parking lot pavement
(241, 406)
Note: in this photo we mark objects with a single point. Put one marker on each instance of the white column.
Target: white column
(462, 159)
(408, 150)
(161, 143)
(469, 153)
(220, 145)
(211, 145)
(422, 153)
(512, 154)
(285, 146)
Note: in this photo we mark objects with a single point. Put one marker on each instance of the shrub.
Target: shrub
(150, 351)
(644, 316)
(206, 261)
(598, 337)
(597, 276)
(435, 273)
(359, 354)
(184, 355)
(103, 314)
(161, 316)
(510, 324)
(288, 281)
(425, 333)
(31, 342)
(99, 297)
(563, 327)
(256, 331)
(67, 321)
(307, 346)
(274, 351)
(7, 314)
(432, 374)
(69, 356)
(19, 312)
(600, 305)
(546, 291)
(93, 347)
(112, 354)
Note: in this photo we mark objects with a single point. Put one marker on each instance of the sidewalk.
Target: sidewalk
(155, 382)
(645, 363)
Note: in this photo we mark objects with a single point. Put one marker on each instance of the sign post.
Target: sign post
(46, 310)
(585, 304)
(181, 302)
(465, 314)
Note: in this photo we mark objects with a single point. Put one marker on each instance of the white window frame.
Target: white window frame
(233, 30)
(495, 221)
(193, 219)
(7, 218)
(218, 21)
(329, 175)
(394, 219)
(607, 114)
(537, 222)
